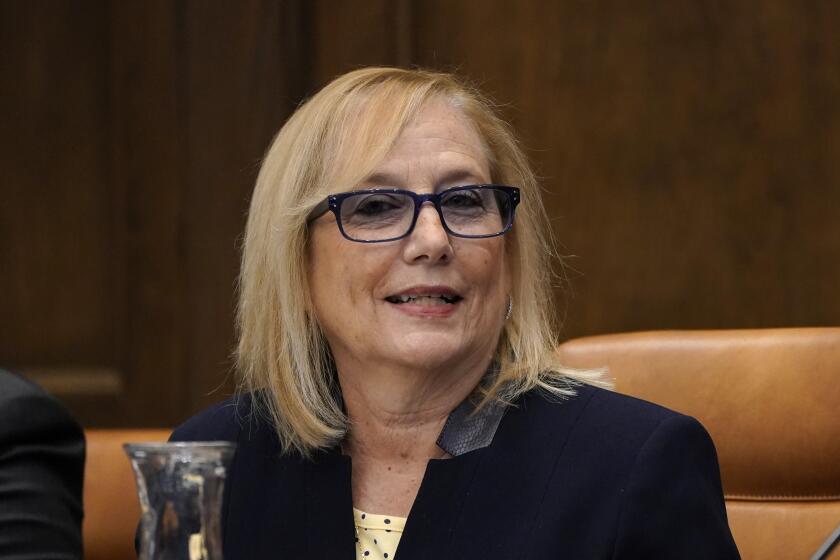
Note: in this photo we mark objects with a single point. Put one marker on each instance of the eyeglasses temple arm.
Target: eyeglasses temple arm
(319, 210)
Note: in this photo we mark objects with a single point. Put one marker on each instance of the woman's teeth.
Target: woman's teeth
(428, 301)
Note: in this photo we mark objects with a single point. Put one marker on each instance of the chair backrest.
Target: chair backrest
(770, 398)
(112, 509)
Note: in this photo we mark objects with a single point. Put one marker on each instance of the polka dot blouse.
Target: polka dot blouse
(377, 536)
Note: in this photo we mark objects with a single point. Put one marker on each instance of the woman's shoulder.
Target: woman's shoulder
(630, 409)
(630, 441)
(608, 416)
(223, 421)
(590, 398)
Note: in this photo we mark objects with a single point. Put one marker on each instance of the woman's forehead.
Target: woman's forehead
(439, 146)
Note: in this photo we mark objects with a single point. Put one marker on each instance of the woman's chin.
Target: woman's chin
(428, 351)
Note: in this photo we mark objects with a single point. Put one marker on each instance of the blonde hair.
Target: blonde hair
(331, 142)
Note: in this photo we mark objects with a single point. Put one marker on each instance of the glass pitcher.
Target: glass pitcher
(180, 486)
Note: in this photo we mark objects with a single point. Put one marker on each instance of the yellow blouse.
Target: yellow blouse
(377, 536)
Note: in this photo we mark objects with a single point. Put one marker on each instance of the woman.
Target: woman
(393, 317)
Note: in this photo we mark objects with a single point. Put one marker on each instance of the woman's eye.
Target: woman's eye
(463, 199)
(376, 205)
(372, 207)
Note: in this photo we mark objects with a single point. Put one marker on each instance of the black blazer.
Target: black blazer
(42, 459)
(599, 475)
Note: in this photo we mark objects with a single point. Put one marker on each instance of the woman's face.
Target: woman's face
(358, 288)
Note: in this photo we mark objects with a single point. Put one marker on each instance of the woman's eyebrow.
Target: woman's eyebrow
(450, 178)
(384, 178)
(460, 176)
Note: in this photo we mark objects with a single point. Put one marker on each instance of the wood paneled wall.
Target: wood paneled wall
(689, 149)
(133, 146)
(689, 152)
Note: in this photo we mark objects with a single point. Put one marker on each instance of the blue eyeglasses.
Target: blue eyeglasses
(378, 215)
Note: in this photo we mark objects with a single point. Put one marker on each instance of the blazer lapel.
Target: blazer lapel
(284, 506)
(431, 523)
(265, 515)
(329, 529)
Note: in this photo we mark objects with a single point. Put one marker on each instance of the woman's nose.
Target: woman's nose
(429, 239)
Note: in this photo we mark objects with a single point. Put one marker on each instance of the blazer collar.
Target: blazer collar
(467, 429)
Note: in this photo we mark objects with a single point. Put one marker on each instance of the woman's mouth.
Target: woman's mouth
(425, 300)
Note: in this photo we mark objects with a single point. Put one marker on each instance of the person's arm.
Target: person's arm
(42, 453)
(673, 506)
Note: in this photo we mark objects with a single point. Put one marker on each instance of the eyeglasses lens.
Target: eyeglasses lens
(383, 216)
(375, 216)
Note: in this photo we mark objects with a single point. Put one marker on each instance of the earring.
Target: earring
(509, 308)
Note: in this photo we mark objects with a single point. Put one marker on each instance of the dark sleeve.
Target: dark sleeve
(42, 455)
(673, 506)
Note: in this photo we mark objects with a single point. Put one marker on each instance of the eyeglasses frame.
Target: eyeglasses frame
(333, 202)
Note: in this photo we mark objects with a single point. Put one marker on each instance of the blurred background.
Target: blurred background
(689, 151)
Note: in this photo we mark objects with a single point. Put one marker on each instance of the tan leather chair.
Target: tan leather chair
(112, 509)
(769, 398)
